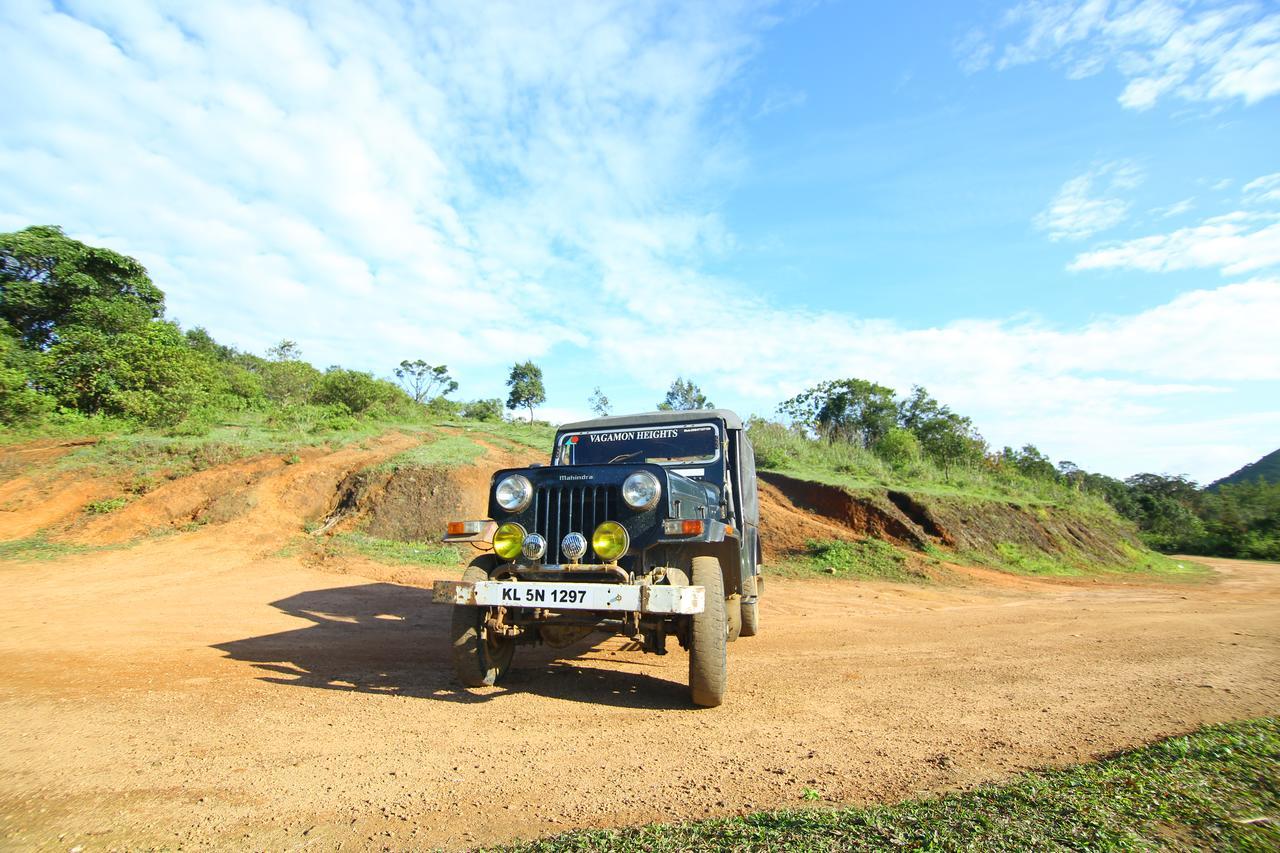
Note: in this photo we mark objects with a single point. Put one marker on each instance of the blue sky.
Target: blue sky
(1063, 218)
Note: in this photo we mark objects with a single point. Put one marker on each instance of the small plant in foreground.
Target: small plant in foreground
(105, 505)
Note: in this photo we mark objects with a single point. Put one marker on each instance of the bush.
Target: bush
(19, 402)
(483, 410)
(899, 447)
(355, 390)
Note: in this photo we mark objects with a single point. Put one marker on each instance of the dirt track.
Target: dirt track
(200, 690)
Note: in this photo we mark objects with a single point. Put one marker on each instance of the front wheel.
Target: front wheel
(480, 656)
(708, 649)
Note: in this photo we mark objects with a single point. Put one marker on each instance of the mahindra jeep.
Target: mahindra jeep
(642, 525)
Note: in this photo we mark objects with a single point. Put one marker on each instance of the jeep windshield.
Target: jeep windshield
(676, 444)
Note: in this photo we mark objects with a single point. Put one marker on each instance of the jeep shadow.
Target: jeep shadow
(386, 638)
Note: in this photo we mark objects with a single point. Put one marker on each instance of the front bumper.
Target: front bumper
(616, 597)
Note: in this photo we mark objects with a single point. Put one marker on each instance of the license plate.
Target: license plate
(558, 596)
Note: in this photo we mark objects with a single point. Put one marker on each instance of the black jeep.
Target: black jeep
(643, 525)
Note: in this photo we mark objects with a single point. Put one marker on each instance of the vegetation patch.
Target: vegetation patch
(395, 552)
(39, 547)
(443, 450)
(1014, 558)
(1216, 789)
(106, 505)
(869, 559)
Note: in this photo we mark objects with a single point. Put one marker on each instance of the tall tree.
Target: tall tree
(852, 410)
(286, 350)
(599, 402)
(49, 282)
(683, 395)
(526, 387)
(425, 382)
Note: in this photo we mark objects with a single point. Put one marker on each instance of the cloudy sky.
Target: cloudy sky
(1063, 218)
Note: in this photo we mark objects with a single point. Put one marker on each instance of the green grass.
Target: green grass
(517, 436)
(240, 435)
(443, 450)
(1211, 790)
(106, 505)
(849, 466)
(38, 547)
(869, 559)
(395, 552)
(1011, 557)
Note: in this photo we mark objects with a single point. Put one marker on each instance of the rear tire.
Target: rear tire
(750, 609)
(708, 652)
(480, 657)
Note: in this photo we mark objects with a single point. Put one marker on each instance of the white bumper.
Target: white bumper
(573, 596)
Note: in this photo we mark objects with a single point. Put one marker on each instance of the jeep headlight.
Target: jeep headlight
(610, 541)
(508, 540)
(641, 490)
(513, 493)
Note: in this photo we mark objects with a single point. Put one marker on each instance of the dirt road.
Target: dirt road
(197, 690)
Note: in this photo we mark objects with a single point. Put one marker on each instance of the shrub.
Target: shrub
(483, 410)
(19, 402)
(106, 505)
(899, 447)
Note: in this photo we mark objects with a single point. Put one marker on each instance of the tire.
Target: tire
(733, 615)
(750, 610)
(480, 660)
(708, 652)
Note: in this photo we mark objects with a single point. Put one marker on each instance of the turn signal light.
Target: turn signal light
(465, 528)
(683, 527)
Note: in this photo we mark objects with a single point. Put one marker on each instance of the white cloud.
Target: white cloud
(779, 100)
(1266, 188)
(1176, 209)
(1235, 243)
(1077, 211)
(481, 183)
(1162, 48)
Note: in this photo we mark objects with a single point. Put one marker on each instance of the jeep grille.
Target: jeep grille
(559, 510)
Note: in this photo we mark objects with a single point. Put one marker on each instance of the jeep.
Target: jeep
(642, 525)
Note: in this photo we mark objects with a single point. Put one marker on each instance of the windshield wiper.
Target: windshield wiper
(624, 456)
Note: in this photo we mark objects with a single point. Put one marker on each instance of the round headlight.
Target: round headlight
(534, 547)
(513, 493)
(641, 490)
(573, 546)
(610, 541)
(508, 540)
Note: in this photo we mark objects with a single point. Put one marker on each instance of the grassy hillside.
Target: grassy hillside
(1267, 469)
(915, 514)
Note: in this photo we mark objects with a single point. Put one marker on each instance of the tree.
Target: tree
(49, 282)
(149, 374)
(286, 350)
(526, 387)
(852, 410)
(683, 395)
(424, 382)
(599, 402)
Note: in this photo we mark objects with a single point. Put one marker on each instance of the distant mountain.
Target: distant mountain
(1268, 468)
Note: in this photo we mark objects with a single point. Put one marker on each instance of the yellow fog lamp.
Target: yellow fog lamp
(508, 541)
(610, 541)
